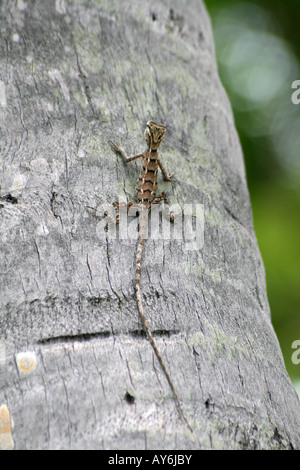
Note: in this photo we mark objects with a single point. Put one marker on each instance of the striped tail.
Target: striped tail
(141, 311)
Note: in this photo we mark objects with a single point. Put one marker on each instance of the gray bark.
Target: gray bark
(73, 75)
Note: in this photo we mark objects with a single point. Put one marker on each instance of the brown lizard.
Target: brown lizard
(146, 189)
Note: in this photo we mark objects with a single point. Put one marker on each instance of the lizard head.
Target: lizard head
(154, 134)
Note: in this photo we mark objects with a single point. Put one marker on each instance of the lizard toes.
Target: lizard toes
(114, 145)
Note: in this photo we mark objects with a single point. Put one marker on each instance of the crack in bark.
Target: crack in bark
(38, 255)
(76, 337)
(82, 337)
(67, 171)
(9, 198)
(89, 268)
(52, 204)
(86, 87)
(158, 333)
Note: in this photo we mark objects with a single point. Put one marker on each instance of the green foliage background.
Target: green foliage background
(258, 53)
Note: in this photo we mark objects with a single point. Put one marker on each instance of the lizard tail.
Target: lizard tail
(146, 326)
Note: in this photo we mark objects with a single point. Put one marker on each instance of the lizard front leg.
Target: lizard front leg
(166, 176)
(117, 148)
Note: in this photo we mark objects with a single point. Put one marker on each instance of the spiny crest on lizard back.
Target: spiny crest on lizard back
(154, 134)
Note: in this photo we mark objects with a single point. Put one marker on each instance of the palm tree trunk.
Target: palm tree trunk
(76, 369)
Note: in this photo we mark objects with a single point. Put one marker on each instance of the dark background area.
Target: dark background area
(258, 53)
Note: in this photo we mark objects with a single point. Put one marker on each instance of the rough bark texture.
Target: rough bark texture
(77, 373)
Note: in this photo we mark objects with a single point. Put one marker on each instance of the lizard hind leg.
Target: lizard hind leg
(120, 205)
(162, 197)
(170, 215)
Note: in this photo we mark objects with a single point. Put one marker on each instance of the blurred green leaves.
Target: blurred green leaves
(258, 50)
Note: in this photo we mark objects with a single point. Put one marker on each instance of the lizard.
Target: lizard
(146, 196)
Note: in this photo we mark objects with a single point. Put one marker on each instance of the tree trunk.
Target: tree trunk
(76, 371)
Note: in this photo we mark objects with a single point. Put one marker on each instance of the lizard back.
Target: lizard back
(147, 182)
